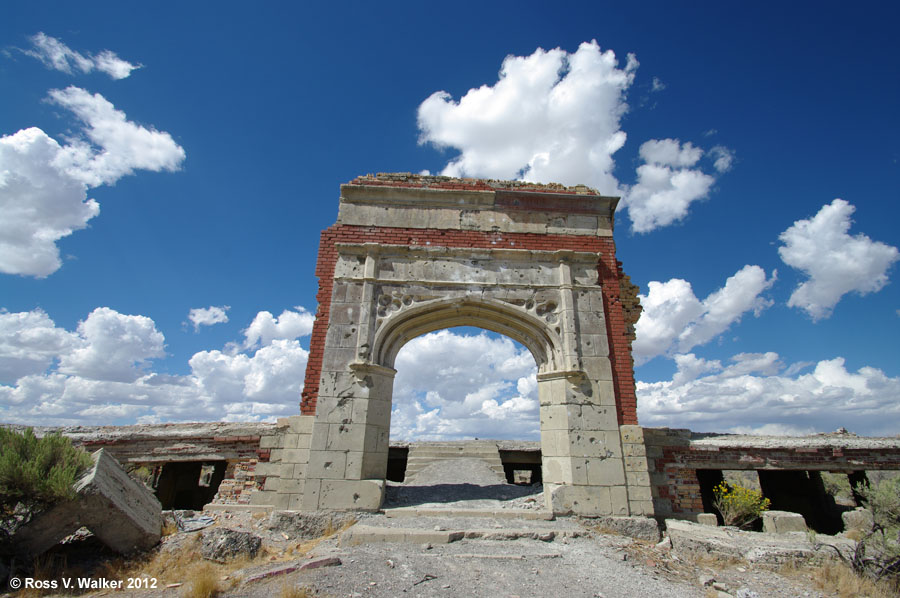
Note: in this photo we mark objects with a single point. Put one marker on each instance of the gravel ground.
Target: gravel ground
(591, 565)
(579, 562)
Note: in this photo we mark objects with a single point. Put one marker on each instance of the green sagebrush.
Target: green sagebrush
(878, 552)
(37, 472)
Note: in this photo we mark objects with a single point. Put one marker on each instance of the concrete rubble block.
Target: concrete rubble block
(308, 526)
(693, 540)
(642, 528)
(782, 522)
(123, 513)
(708, 519)
(859, 519)
(221, 544)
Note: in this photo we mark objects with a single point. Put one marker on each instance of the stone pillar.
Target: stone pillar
(349, 448)
(583, 468)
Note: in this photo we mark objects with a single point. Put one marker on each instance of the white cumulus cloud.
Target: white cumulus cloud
(113, 346)
(266, 328)
(675, 320)
(452, 386)
(556, 117)
(834, 262)
(57, 55)
(207, 316)
(29, 343)
(101, 373)
(667, 183)
(551, 117)
(44, 185)
(755, 394)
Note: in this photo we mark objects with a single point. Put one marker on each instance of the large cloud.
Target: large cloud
(450, 385)
(675, 320)
(555, 117)
(835, 262)
(57, 55)
(103, 376)
(551, 116)
(44, 185)
(756, 394)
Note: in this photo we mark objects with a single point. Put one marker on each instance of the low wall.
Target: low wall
(674, 456)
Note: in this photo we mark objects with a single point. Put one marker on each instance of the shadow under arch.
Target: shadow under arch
(537, 335)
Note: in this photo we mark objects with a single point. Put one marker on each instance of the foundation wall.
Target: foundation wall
(675, 455)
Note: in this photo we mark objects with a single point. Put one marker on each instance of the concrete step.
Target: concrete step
(516, 514)
(368, 534)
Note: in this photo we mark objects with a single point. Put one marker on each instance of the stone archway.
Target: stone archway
(411, 254)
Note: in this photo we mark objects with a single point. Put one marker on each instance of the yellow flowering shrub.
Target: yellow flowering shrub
(739, 506)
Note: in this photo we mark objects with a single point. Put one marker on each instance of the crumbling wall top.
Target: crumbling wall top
(414, 201)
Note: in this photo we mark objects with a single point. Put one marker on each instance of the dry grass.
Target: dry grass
(204, 583)
(289, 591)
(168, 528)
(843, 581)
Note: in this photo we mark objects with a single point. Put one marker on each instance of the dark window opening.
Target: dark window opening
(396, 466)
(522, 468)
(189, 484)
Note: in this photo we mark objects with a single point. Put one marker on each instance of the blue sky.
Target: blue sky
(213, 139)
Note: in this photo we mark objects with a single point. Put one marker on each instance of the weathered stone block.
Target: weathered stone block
(594, 417)
(605, 472)
(709, 519)
(351, 495)
(781, 522)
(640, 479)
(564, 470)
(588, 501)
(330, 465)
(292, 456)
(859, 519)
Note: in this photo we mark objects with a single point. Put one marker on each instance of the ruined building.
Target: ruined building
(411, 254)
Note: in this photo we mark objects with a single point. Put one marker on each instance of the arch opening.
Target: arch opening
(465, 421)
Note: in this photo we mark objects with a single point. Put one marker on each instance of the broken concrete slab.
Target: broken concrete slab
(641, 528)
(221, 544)
(304, 525)
(694, 539)
(123, 513)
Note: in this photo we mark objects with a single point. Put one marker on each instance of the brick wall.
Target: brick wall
(609, 277)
